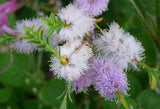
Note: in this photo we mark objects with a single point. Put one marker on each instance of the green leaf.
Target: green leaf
(5, 94)
(52, 18)
(31, 104)
(50, 30)
(59, 19)
(41, 46)
(33, 42)
(132, 104)
(58, 29)
(148, 99)
(45, 21)
(51, 90)
(135, 86)
(16, 70)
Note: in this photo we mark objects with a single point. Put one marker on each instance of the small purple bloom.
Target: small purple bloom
(83, 82)
(9, 7)
(109, 79)
(92, 7)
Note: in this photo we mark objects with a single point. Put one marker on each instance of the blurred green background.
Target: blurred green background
(25, 81)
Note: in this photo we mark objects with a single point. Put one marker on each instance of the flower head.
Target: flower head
(85, 80)
(92, 7)
(77, 55)
(77, 23)
(121, 47)
(21, 45)
(9, 7)
(109, 79)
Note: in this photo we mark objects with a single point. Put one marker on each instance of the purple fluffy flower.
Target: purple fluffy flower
(92, 7)
(85, 80)
(109, 79)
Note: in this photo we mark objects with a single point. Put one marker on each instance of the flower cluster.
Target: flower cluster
(83, 57)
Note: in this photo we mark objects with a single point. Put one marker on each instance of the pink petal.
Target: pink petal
(9, 7)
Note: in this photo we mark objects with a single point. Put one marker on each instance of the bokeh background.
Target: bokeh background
(25, 80)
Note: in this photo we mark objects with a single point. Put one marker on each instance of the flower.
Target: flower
(109, 79)
(92, 7)
(9, 7)
(121, 47)
(77, 54)
(77, 23)
(85, 80)
(21, 45)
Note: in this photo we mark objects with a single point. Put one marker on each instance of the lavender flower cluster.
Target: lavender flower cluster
(101, 60)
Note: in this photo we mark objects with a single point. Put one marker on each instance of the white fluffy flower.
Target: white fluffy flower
(78, 55)
(120, 46)
(78, 22)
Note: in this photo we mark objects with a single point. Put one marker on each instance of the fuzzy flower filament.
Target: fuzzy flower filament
(75, 20)
(109, 79)
(121, 47)
(77, 56)
(92, 7)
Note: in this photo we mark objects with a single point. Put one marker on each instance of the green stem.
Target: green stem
(99, 28)
(122, 99)
(66, 94)
(86, 102)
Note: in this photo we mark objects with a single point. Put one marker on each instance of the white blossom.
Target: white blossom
(78, 23)
(120, 46)
(77, 55)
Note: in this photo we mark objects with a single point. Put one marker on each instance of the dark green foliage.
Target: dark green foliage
(148, 99)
